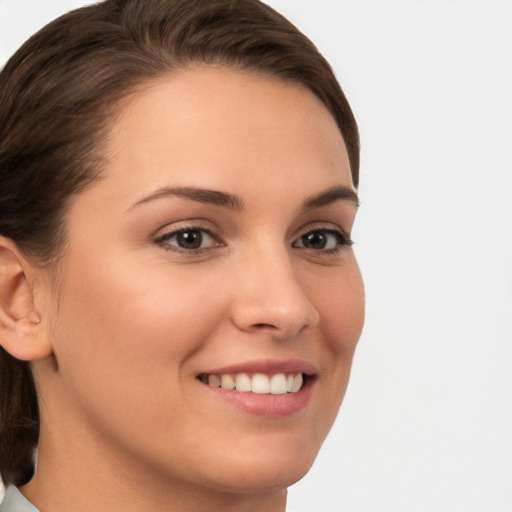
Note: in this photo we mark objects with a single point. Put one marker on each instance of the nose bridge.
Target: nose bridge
(270, 295)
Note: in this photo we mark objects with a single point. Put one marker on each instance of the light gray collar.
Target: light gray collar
(14, 501)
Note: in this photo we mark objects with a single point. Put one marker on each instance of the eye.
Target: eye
(323, 240)
(188, 239)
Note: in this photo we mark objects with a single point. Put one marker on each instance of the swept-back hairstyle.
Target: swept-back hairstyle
(58, 96)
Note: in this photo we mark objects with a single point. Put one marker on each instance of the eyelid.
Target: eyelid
(183, 225)
(321, 226)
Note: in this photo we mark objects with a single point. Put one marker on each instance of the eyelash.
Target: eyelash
(342, 241)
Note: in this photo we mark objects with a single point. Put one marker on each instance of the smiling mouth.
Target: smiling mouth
(258, 383)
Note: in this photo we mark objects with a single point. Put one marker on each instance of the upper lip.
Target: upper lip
(267, 366)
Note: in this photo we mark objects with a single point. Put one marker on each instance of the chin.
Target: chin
(259, 480)
(265, 471)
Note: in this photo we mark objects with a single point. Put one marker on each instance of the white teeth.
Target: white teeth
(227, 382)
(243, 383)
(260, 383)
(297, 383)
(278, 384)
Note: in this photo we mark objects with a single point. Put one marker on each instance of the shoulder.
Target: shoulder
(14, 501)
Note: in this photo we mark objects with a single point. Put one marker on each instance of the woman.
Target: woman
(180, 302)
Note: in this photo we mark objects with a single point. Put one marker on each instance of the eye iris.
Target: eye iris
(315, 240)
(189, 239)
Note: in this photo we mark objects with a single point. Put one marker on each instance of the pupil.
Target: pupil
(190, 239)
(315, 240)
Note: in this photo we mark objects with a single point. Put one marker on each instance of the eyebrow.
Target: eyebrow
(236, 203)
(329, 196)
(201, 195)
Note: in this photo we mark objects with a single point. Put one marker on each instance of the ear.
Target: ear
(22, 332)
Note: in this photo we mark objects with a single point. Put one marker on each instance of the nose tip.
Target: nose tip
(278, 323)
(274, 302)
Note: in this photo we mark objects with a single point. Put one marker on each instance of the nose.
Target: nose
(270, 297)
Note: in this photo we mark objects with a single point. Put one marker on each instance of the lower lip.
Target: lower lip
(266, 405)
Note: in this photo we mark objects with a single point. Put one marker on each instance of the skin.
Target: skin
(125, 424)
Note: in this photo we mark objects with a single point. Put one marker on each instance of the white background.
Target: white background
(427, 422)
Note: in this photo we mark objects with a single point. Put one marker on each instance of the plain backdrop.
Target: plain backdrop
(427, 421)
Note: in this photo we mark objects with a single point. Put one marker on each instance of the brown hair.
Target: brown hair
(57, 96)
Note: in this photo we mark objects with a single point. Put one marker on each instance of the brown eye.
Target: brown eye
(322, 240)
(193, 239)
(315, 240)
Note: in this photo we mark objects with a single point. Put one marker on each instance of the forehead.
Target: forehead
(209, 126)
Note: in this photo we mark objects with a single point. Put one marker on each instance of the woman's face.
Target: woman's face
(215, 249)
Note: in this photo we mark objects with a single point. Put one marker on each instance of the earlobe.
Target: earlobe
(21, 331)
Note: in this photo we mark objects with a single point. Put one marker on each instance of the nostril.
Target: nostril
(262, 326)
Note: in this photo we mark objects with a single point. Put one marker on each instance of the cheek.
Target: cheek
(123, 328)
(340, 301)
(341, 305)
(137, 301)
